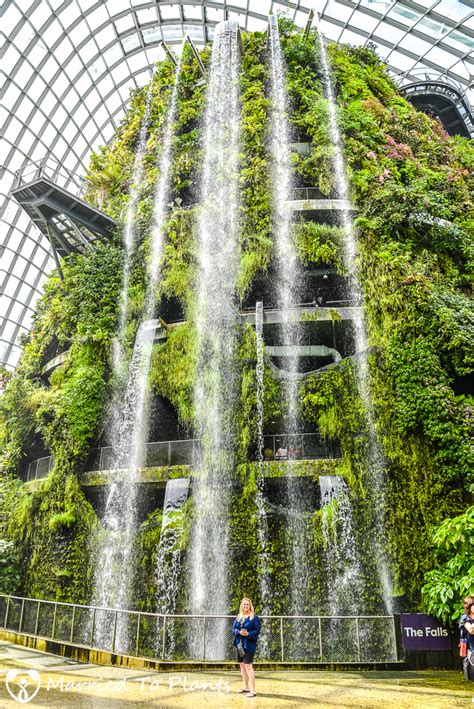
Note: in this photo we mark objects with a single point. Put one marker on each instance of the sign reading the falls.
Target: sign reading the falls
(423, 632)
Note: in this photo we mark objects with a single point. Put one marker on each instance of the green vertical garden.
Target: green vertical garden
(412, 186)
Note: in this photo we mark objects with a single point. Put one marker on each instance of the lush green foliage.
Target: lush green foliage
(453, 579)
(10, 571)
(412, 185)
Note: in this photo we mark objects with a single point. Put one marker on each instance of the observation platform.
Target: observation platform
(53, 199)
(165, 460)
(306, 313)
(330, 327)
(435, 93)
(308, 199)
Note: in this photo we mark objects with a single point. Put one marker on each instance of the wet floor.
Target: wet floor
(64, 683)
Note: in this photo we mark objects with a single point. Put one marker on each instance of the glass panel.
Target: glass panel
(124, 23)
(172, 33)
(364, 21)
(168, 12)
(130, 43)
(45, 620)
(40, 15)
(184, 452)
(51, 33)
(460, 41)
(389, 33)
(98, 17)
(433, 28)
(415, 45)
(400, 61)
(453, 9)
(439, 56)
(150, 636)
(403, 14)
(105, 37)
(301, 640)
(157, 455)
(193, 13)
(62, 627)
(146, 16)
(82, 626)
(151, 35)
(79, 32)
(214, 14)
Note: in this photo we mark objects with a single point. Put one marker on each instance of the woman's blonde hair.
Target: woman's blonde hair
(241, 615)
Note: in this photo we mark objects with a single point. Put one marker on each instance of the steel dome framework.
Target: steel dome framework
(68, 66)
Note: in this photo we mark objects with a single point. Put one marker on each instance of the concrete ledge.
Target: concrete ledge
(81, 653)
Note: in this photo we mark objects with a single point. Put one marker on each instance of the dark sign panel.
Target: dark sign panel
(424, 632)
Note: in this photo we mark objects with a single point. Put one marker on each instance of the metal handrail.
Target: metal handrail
(39, 468)
(16, 619)
(51, 169)
(429, 75)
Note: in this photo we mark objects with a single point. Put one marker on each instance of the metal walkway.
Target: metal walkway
(84, 631)
(53, 199)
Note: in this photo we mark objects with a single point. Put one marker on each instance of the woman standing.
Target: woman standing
(246, 629)
(466, 627)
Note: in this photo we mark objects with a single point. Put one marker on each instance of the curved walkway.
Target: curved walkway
(65, 683)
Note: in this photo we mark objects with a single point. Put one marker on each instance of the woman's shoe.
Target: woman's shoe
(243, 690)
(251, 694)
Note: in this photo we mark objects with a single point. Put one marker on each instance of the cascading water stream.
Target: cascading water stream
(344, 576)
(216, 318)
(129, 233)
(343, 572)
(129, 429)
(289, 276)
(168, 560)
(289, 271)
(376, 460)
(262, 523)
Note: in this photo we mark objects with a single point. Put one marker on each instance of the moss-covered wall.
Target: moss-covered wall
(412, 185)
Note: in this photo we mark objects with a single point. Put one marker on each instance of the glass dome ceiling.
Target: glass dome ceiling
(68, 67)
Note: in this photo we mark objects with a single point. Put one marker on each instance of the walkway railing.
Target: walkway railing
(39, 468)
(202, 638)
(53, 170)
(154, 455)
(297, 446)
(305, 193)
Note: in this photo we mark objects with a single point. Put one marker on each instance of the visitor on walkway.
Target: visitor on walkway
(466, 628)
(246, 629)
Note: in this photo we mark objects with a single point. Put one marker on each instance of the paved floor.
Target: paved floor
(64, 683)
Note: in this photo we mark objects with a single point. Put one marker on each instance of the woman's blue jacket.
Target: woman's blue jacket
(253, 627)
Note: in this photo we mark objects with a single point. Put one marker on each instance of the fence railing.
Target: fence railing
(150, 455)
(39, 468)
(299, 446)
(53, 170)
(305, 193)
(203, 638)
(293, 446)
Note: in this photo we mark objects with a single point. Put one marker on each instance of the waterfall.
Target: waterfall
(129, 428)
(168, 558)
(262, 521)
(376, 459)
(342, 563)
(129, 232)
(288, 267)
(343, 572)
(289, 276)
(216, 319)
(115, 559)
